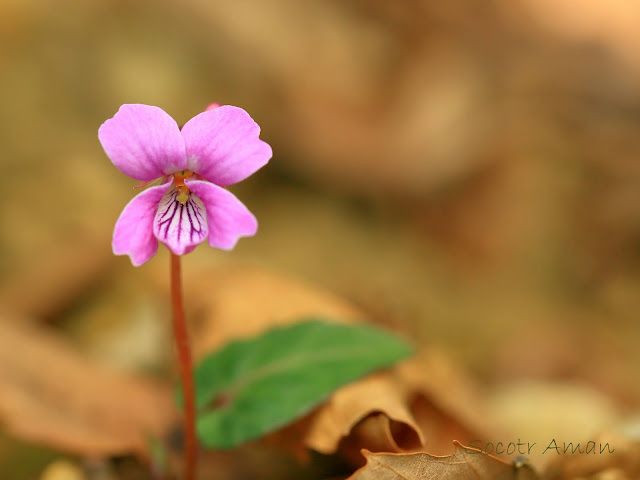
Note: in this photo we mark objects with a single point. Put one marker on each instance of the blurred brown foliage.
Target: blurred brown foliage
(465, 172)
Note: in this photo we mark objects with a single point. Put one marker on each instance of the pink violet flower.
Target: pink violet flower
(217, 148)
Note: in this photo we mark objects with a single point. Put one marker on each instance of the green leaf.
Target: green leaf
(251, 387)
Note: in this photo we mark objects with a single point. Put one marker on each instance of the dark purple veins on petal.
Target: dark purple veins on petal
(174, 220)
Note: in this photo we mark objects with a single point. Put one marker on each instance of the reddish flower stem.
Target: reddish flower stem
(181, 337)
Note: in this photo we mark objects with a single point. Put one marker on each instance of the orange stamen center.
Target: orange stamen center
(183, 190)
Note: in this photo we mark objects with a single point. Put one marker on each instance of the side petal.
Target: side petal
(180, 226)
(223, 145)
(143, 142)
(228, 218)
(133, 234)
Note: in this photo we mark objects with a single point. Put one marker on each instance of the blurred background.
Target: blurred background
(466, 173)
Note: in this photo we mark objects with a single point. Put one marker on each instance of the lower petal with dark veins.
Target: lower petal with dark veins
(180, 226)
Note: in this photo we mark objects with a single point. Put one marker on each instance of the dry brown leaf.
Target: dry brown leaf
(51, 395)
(378, 433)
(355, 403)
(424, 401)
(465, 463)
(388, 435)
(440, 428)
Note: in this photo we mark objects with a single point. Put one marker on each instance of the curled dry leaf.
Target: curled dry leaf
(465, 463)
(51, 395)
(378, 433)
(372, 413)
(369, 411)
(386, 434)
(427, 403)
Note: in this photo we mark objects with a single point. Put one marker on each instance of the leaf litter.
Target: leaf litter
(420, 405)
(51, 395)
(465, 464)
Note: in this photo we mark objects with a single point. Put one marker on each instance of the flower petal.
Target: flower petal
(143, 142)
(223, 145)
(228, 218)
(133, 234)
(180, 226)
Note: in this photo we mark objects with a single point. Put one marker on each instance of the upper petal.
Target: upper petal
(180, 226)
(223, 145)
(133, 234)
(228, 218)
(143, 142)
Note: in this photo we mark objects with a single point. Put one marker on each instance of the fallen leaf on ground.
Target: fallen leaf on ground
(440, 428)
(425, 401)
(51, 395)
(465, 463)
(365, 411)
